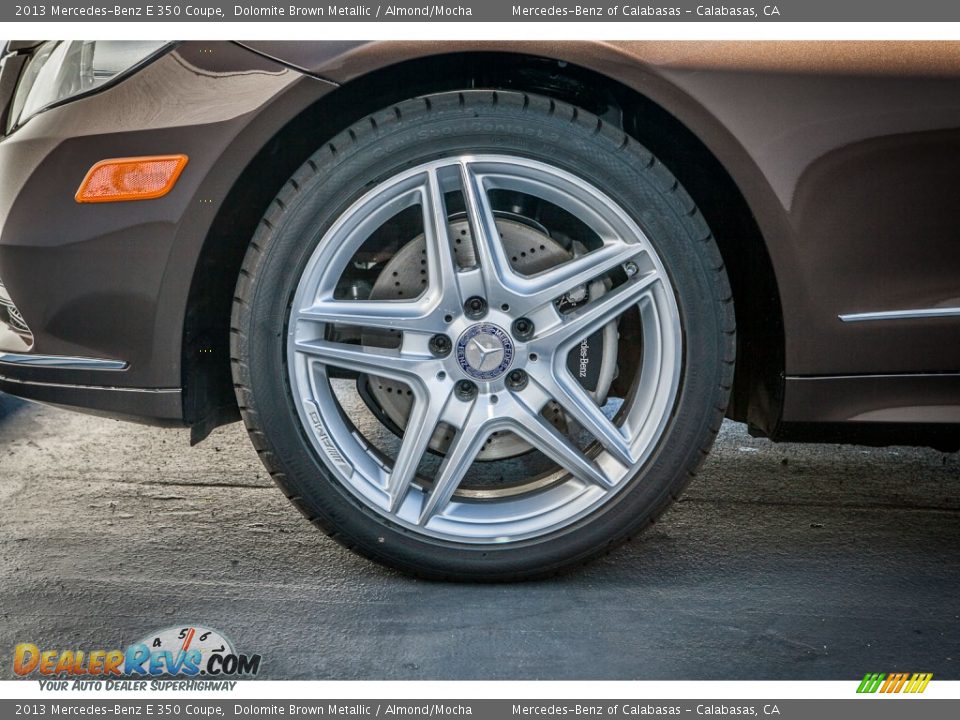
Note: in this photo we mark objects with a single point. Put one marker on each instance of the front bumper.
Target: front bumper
(15, 334)
(94, 296)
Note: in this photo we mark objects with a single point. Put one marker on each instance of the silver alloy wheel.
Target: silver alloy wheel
(588, 478)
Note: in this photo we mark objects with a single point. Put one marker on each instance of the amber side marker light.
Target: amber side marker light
(132, 178)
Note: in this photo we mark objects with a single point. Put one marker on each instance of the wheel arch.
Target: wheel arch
(757, 392)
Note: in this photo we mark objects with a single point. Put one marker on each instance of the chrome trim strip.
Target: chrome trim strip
(60, 362)
(71, 386)
(902, 314)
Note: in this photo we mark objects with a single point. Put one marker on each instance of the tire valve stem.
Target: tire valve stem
(631, 268)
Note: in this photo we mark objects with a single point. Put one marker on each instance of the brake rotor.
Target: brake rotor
(405, 276)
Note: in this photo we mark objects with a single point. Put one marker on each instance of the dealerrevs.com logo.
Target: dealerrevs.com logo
(186, 651)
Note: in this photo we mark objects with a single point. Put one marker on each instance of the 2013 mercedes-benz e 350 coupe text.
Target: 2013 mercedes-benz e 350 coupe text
(483, 306)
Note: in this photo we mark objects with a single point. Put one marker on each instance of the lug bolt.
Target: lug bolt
(465, 390)
(522, 329)
(440, 345)
(517, 380)
(475, 307)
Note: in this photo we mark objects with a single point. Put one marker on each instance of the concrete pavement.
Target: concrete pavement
(781, 562)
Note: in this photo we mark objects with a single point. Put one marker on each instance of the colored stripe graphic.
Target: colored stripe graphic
(919, 682)
(871, 682)
(894, 683)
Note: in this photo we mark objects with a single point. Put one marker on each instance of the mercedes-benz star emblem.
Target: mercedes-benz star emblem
(484, 351)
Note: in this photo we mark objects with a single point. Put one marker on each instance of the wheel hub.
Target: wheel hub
(484, 351)
(532, 251)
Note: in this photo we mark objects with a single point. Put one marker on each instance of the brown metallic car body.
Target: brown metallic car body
(828, 172)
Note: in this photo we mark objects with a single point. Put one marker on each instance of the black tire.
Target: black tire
(412, 132)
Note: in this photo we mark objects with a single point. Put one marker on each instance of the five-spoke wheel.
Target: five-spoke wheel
(510, 341)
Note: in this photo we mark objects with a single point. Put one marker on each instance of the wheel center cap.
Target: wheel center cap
(484, 351)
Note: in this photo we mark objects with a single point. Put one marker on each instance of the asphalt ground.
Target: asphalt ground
(780, 562)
